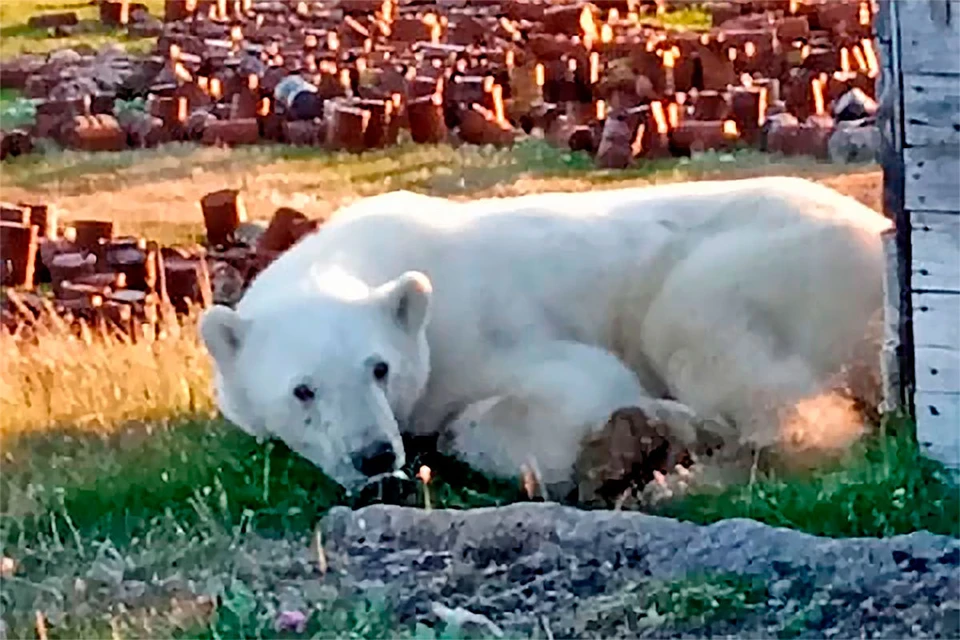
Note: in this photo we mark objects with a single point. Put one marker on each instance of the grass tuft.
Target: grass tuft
(882, 487)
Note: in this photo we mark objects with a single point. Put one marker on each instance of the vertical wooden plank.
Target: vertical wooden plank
(891, 124)
(931, 178)
(938, 414)
(937, 358)
(932, 105)
(929, 31)
(890, 349)
(935, 319)
(936, 252)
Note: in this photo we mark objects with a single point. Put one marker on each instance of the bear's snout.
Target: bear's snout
(375, 459)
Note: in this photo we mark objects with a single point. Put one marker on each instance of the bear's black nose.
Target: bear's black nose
(375, 459)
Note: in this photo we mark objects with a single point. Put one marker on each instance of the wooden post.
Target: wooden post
(890, 350)
(890, 122)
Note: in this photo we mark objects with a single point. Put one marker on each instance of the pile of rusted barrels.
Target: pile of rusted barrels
(598, 76)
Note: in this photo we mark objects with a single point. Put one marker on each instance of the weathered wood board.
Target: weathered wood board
(936, 251)
(936, 320)
(938, 425)
(930, 32)
(936, 330)
(938, 369)
(932, 105)
(932, 176)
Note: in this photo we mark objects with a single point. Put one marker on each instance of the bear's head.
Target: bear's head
(332, 375)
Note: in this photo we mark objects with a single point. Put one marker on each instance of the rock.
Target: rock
(64, 57)
(515, 565)
(226, 283)
(132, 591)
(615, 150)
(15, 143)
(481, 129)
(285, 229)
(197, 122)
(149, 27)
(108, 567)
(73, 89)
(142, 129)
(248, 233)
(854, 141)
(781, 588)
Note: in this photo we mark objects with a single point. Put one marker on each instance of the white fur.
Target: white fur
(545, 313)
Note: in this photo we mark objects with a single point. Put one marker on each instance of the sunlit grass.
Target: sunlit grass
(16, 37)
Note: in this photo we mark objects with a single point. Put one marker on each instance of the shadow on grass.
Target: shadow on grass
(74, 484)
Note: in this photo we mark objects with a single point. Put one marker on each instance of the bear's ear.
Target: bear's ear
(408, 300)
(222, 329)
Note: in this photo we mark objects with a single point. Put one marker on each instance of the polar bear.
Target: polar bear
(517, 325)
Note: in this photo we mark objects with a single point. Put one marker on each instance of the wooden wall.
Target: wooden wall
(919, 94)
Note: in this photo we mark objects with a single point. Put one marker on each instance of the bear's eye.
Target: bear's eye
(303, 393)
(380, 371)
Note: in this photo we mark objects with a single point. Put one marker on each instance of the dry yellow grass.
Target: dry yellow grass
(157, 191)
(17, 38)
(100, 381)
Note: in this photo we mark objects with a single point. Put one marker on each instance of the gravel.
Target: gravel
(580, 573)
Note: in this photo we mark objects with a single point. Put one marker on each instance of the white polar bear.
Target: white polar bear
(518, 325)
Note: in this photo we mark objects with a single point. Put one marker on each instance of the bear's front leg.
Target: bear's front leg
(546, 399)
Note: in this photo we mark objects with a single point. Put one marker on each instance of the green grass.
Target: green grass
(439, 168)
(8, 96)
(77, 485)
(692, 18)
(708, 599)
(63, 487)
(15, 110)
(883, 487)
(17, 38)
(702, 604)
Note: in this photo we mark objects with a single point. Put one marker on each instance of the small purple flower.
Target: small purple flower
(290, 621)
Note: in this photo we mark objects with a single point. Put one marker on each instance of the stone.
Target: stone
(615, 150)
(150, 27)
(108, 568)
(15, 143)
(525, 564)
(854, 142)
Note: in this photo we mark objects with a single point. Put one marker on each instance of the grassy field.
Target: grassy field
(120, 485)
(114, 450)
(157, 191)
(18, 38)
